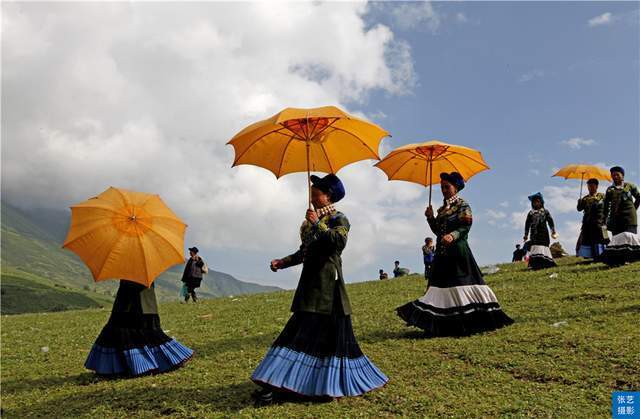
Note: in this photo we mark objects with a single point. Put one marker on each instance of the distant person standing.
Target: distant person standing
(428, 252)
(383, 274)
(539, 253)
(193, 272)
(518, 254)
(593, 234)
(398, 271)
(621, 203)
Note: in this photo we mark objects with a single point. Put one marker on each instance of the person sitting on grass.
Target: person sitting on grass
(383, 274)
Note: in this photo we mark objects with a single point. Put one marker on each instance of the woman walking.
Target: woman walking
(458, 302)
(620, 205)
(132, 342)
(317, 354)
(593, 234)
(539, 253)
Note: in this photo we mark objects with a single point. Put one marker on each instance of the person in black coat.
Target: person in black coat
(192, 276)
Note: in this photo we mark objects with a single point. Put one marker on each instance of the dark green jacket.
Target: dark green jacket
(321, 287)
(620, 205)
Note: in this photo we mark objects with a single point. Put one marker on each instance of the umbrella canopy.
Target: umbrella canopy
(582, 172)
(307, 140)
(124, 234)
(417, 162)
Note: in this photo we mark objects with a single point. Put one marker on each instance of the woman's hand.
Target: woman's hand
(276, 264)
(429, 212)
(554, 235)
(312, 216)
(447, 239)
(525, 237)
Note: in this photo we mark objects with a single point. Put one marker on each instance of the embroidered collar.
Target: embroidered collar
(450, 201)
(325, 210)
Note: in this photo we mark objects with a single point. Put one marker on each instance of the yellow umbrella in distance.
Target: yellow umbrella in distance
(582, 172)
(417, 162)
(321, 139)
(123, 234)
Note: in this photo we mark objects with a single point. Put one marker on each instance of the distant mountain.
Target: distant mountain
(32, 251)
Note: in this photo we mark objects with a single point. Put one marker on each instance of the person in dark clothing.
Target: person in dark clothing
(518, 254)
(192, 276)
(383, 274)
(428, 253)
(316, 354)
(539, 217)
(132, 343)
(593, 234)
(398, 271)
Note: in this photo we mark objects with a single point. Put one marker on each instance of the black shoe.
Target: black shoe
(263, 397)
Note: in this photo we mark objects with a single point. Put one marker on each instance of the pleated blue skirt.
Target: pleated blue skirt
(317, 355)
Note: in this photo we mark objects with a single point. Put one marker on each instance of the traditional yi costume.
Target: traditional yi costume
(593, 233)
(535, 228)
(458, 302)
(132, 342)
(620, 206)
(317, 353)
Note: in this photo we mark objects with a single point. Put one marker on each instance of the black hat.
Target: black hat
(453, 178)
(593, 181)
(193, 249)
(331, 185)
(617, 169)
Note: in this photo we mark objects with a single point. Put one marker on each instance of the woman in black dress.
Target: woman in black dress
(540, 256)
(133, 343)
(458, 302)
(317, 353)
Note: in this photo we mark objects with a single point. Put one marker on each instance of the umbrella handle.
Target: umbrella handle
(309, 174)
(581, 181)
(430, 166)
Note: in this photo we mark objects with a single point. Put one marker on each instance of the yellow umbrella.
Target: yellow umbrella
(123, 234)
(307, 140)
(582, 172)
(416, 162)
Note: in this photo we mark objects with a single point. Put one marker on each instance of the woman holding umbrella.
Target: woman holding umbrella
(317, 354)
(458, 302)
(134, 236)
(536, 223)
(621, 203)
(593, 234)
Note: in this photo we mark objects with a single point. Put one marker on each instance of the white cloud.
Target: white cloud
(561, 199)
(533, 74)
(504, 204)
(414, 15)
(534, 172)
(577, 143)
(461, 18)
(494, 216)
(603, 19)
(145, 95)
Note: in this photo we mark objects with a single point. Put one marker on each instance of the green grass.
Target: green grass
(530, 369)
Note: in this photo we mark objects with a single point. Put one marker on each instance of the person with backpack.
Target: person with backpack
(192, 276)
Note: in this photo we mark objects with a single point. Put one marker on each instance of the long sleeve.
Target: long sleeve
(294, 258)
(527, 224)
(581, 204)
(552, 225)
(465, 219)
(433, 225)
(636, 195)
(607, 204)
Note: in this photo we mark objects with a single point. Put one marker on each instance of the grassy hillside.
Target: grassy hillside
(22, 293)
(575, 340)
(31, 247)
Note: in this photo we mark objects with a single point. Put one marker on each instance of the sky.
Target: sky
(145, 96)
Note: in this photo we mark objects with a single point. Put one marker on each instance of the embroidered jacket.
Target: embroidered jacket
(321, 287)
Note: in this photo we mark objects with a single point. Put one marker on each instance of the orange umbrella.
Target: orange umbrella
(123, 234)
(304, 140)
(416, 162)
(582, 171)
